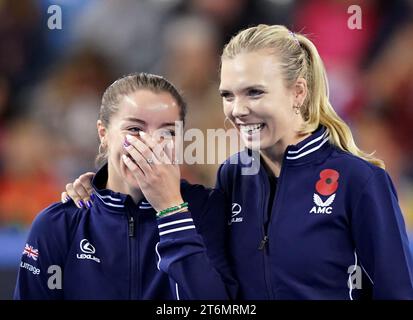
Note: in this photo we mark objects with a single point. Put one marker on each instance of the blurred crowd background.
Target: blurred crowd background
(51, 82)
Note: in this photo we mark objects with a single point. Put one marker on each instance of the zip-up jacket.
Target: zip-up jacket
(334, 229)
(112, 251)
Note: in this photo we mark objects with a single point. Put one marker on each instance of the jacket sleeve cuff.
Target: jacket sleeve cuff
(176, 226)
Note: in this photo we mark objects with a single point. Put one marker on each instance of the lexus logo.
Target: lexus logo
(236, 209)
(86, 247)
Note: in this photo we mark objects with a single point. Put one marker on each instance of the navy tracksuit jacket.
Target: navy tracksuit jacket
(334, 229)
(112, 250)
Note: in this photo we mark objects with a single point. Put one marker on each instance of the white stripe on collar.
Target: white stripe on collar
(145, 207)
(111, 198)
(308, 144)
(308, 151)
(108, 203)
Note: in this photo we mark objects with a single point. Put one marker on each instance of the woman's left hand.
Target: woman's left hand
(155, 171)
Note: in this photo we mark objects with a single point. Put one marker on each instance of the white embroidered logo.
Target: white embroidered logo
(236, 210)
(86, 246)
(88, 250)
(320, 203)
(322, 206)
(326, 186)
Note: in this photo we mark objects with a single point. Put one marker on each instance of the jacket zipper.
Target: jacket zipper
(265, 231)
(277, 192)
(263, 241)
(132, 254)
(131, 227)
(267, 277)
(263, 244)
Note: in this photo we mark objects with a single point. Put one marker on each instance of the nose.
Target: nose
(240, 108)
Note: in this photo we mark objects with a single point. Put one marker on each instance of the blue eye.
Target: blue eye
(255, 92)
(135, 129)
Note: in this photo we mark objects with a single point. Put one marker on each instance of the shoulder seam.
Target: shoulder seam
(372, 175)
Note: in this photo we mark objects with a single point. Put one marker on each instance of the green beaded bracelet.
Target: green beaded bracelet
(168, 210)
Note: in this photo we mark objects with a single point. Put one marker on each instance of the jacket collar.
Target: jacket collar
(311, 148)
(112, 200)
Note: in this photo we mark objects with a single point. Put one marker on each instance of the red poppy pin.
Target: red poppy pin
(328, 182)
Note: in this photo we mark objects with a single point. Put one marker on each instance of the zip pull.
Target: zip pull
(263, 242)
(131, 227)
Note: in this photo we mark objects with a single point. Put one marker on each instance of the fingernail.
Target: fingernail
(129, 138)
(67, 198)
(80, 204)
(141, 133)
(92, 197)
(89, 204)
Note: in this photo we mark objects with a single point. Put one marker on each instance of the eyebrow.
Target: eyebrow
(254, 86)
(165, 124)
(132, 119)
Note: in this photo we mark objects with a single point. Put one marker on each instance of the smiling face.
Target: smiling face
(142, 110)
(257, 100)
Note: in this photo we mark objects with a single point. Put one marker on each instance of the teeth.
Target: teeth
(251, 128)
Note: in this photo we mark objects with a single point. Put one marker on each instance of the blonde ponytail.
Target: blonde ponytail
(319, 110)
(299, 58)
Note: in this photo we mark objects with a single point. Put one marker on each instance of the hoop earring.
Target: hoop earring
(101, 148)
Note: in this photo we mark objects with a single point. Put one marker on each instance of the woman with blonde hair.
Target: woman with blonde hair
(320, 219)
(327, 224)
